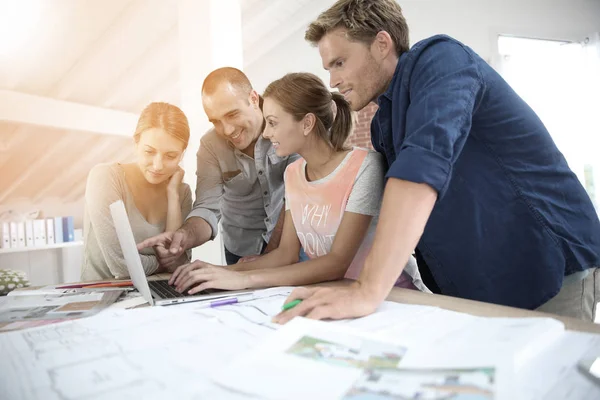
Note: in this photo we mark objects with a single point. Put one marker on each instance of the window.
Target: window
(561, 81)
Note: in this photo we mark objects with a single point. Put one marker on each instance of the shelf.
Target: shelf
(48, 247)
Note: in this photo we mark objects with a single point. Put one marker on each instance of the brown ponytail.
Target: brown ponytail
(303, 93)
(342, 124)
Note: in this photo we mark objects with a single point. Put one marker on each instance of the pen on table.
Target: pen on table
(78, 285)
(227, 301)
(97, 284)
(291, 304)
(107, 285)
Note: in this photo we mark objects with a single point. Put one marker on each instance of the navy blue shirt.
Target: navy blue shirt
(511, 219)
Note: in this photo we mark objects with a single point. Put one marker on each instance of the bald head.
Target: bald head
(228, 76)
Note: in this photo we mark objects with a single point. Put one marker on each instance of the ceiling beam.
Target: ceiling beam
(59, 114)
(77, 188)
(35, 167)
(17, 138)
(150, 67)
(98, 150)
(7, 136)
(123, 33)
(166, 89)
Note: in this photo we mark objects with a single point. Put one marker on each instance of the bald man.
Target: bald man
(240, 178)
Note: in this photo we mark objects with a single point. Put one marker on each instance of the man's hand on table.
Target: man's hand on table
(330, 303)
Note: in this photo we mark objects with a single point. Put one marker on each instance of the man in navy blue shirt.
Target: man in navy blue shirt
(476, 186)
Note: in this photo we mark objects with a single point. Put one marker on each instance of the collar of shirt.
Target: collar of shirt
(390, 90)
(261, 146)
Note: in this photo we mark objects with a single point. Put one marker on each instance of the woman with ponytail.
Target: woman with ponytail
(332, 196)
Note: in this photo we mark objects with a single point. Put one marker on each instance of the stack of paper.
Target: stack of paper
(32, 308)
(235, 352)
(442, 335)
(150, 353)
(314, 360)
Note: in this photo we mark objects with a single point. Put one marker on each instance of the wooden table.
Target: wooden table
(472, 307)
(482, 309)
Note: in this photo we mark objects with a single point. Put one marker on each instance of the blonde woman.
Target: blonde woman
(151, 189)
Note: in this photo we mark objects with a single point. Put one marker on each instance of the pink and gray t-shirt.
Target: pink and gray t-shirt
(317, 207)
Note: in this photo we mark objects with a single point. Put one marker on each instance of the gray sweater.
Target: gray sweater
(103, 258)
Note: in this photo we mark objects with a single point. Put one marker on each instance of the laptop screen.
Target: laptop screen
(130, 251)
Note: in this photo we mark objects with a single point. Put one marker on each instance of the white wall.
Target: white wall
(292, 55)
(478, 22)
(474, 22)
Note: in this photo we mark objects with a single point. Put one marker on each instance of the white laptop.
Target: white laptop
(158, 293)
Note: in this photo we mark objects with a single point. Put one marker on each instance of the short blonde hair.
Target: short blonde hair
(165, 116)
(362, 20)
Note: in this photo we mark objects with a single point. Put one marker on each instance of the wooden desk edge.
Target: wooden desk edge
(481, 309)
(477, 308)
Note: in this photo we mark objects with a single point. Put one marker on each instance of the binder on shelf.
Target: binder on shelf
(20, 234)
(29, 235)
(50, 230)
(58, 230)
(68, 229)
(13, 234)
(5, 235)
(39, 232)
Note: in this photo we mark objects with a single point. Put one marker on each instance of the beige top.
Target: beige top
(103, 258)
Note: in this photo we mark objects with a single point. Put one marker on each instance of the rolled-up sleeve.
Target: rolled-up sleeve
(209, 188)
(445, 86)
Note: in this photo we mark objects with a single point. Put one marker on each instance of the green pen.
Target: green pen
(291, 304)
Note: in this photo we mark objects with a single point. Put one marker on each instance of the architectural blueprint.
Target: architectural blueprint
(176, 351)
(153, 352)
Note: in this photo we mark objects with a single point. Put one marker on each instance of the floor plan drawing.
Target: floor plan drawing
(157, 352)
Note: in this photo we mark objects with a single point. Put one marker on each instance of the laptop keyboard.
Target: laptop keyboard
(166, 291)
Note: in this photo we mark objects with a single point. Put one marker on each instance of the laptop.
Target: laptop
(158, 293)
